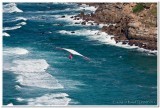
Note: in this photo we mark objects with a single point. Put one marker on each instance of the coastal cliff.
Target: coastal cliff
(130, 23)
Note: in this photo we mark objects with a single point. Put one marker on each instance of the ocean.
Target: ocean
(35, 72)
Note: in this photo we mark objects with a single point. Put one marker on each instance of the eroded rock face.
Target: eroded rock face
(138, 28)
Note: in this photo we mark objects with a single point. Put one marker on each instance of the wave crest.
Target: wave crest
(48, 99)
(10, 8)
(16, 51)
(6, 34)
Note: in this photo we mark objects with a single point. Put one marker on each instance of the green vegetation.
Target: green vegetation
(139, 7)
(154, 11)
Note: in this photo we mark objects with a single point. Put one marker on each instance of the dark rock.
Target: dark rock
(63, 16)
(76, 23)
(72, 32)
(128, 26)
(83, 23)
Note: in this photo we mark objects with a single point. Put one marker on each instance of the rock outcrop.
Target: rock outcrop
(135, 23)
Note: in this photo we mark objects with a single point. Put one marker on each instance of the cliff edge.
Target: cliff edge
(130, 23)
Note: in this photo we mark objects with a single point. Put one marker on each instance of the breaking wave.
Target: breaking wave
(32, 72)
(11, 28)
(48, 100)
(104, 38)
(6, 34)
(10, 8)
(22, 23)
(15, 51)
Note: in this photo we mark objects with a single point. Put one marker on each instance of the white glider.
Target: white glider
(73, 52)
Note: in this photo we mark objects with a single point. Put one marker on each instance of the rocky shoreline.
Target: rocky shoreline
(130, 23)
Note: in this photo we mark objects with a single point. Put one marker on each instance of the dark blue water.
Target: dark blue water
(36, 73)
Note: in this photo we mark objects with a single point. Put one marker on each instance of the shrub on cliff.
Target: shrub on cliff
(154, 11)
(139, 7)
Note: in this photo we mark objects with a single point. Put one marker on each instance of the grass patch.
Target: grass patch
(139, 7)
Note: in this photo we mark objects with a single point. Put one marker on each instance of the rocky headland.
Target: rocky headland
(130, 23)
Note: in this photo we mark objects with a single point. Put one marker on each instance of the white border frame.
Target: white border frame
(87, 106)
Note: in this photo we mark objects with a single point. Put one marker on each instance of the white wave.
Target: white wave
(37, 65)
(6, 34)
(10, 104)
(83, 32)
(20, 99)
(50, 11)
(10, 8)
(61, 3)
(104, 38)
(19, 51)
(151, 87)
(101, 25)
(11, 28)
(17, 87)
(87, 7)
(67, 18)
(22, 23)
(72, 22)
(16, 19)
(148, 51)
(20, 18)
(48, 100)
(71, 84)
(32, 72)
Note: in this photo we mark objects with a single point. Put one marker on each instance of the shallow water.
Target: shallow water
(36, 73)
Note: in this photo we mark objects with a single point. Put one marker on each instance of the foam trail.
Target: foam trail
(6, 34)
(15, 51)
(48, 100)
(10, 104)
(10, 8)
(32, 72)
(11, 28)
(16, 19)
(20, 99)
(20, 18)
(17, 87)
(83, 32)
(22, 23)
(87, 7)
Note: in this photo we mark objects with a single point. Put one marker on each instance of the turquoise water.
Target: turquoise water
(36, 73)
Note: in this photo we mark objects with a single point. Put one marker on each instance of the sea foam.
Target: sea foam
(87, 8)
(10, 8)
(104, 38)
(20, 18)
(48, 100)
(10, 104)
(16, 19)
(11, 28)
(15, 51)
(32, 72)
(22, 23)
(6, 34)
